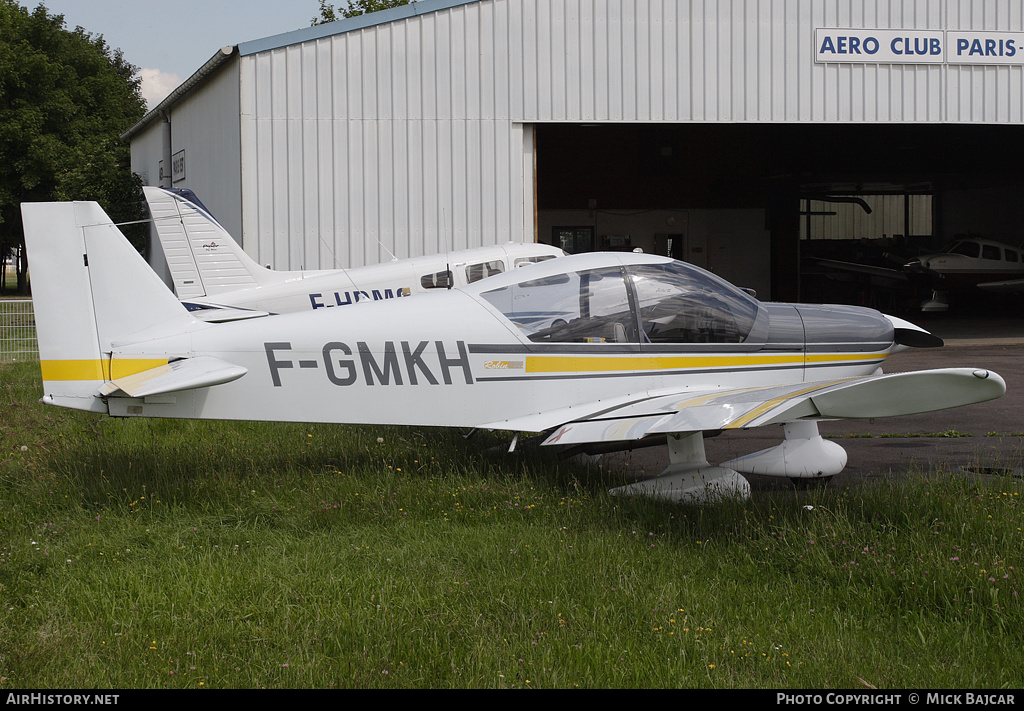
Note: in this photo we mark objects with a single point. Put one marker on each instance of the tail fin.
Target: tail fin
(90, 290)
(203, 258)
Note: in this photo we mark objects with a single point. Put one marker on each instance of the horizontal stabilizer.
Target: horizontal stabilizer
(221, 314)
(887, 395)
(184, 374)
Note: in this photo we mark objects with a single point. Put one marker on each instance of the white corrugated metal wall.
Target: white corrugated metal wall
(387, 135)
(417, 132)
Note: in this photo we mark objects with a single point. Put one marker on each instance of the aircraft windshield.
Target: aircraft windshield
(679, 304)
(589, 306)
(967, 249)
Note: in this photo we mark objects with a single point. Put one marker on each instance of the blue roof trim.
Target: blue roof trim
(404, 12)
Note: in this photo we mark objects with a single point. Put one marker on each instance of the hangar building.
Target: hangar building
(740, 135)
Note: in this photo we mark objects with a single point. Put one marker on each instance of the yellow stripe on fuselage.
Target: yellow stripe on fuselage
(93, 369)
(97, 368)
(122, 367)
(593, 364)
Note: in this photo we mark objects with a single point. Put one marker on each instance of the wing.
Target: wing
(883, 272)
(887, 395)
(1012, 286)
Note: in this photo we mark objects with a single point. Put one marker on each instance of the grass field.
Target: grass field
(162, 554)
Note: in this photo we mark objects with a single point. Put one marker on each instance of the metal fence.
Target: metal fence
(17, 331)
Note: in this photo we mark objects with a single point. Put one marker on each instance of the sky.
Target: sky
(170, 39)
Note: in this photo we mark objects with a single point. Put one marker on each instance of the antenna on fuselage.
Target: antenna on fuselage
(448, 265)
(393, 257)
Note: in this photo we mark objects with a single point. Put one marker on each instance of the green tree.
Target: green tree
(65, 98)
(355, 8)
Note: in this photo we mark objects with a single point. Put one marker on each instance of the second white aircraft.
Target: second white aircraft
(218, 281)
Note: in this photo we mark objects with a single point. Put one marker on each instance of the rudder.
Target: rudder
(90, 289)
(203, 258)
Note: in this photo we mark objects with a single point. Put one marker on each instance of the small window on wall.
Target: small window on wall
(616, 243)
(573, 239)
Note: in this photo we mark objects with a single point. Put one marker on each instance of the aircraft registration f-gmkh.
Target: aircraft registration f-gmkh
(218, 281)
(593, 350)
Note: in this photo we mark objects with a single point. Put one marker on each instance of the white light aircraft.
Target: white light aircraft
(218, 281)
(592, 350)
(967, 263)
(962, 265)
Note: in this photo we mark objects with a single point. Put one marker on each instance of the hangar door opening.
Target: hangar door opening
(758, 204)
(663, 188)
